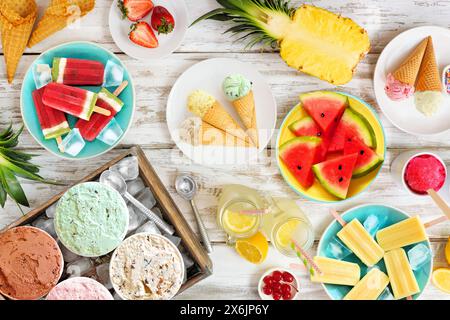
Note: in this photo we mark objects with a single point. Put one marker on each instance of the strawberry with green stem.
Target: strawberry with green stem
(162, 20)
(143, 35)
(135, 10)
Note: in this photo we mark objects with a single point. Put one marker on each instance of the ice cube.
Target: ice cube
(135, 186)
(337, 250)
(103, 275)
(73, 143)
(136, 218)
(128, 168)
(111, 133)
(147, 198)
(68, 255)
(113, 74)
(45, 224)
(386, 295)
(150, 227)
(42, 75)
(79, 267)
(175, 240)
(50, 212)
(116, 296)
(418, 256)
(188, 262)
(373, 223)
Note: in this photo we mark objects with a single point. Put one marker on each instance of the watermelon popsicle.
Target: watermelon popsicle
(53, 122)
(89, 130)
(75, 101)
(78, 72)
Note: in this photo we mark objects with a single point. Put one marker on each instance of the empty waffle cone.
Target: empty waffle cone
(245, 107)
(409, 69)
(211, 136)
(17, 18)
(58, 15)
(218, 117)
(428, 78)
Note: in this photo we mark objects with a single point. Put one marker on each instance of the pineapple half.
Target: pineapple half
(312, 40)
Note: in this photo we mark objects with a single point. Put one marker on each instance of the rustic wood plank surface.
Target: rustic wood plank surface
(234, 278)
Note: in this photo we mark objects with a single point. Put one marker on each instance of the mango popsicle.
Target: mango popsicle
(336, 272)
(401, 276)
(404, 233)
(370, 287)
(358, 240)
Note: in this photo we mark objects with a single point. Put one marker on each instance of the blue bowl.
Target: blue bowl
(337, 292)
(81, 50)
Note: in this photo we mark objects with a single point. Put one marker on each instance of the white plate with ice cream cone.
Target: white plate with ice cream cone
(404, 113)
(218, 138)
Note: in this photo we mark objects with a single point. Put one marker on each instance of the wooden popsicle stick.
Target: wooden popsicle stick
(434, 222)
(338, 217)
(59, 142)
(440, 202)
(102, 111)
(117, 92)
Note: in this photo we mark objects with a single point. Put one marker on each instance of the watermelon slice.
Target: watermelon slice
(299, 155)
(368, 160)
(335, 175)
(352, 124)
(324, 107)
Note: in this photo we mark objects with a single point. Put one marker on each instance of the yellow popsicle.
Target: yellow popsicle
(358, 240)
(404, 233)
(401, 276)
(336, 272)
(370, 287)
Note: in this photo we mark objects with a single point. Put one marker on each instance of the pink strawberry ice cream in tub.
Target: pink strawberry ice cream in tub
(424, 172)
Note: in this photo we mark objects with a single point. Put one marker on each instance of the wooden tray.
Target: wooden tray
(202, 267)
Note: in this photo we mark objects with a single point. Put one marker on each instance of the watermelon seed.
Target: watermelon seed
(319, 134)
(340, 167)
(322, 115)
(361, 152)
(341, 179)
(299, 167)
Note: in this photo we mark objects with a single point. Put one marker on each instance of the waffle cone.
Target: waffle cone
(408, 70)
(58, 15)
(17, 18)
(218, 117)
(245, 107)
(429, 78)
(210, 135)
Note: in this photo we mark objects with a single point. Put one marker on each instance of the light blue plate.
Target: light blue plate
(337, 292)
(81, 50)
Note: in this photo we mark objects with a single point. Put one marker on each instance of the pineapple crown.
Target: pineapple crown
(252, 18)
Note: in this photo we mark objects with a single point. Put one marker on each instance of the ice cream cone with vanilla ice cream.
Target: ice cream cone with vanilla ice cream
(400, 83)
(197, 132)
(238, 90)
(428, 96)
(213, 113)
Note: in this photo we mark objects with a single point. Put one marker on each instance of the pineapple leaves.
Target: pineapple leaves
(2, 195)
(12, 187)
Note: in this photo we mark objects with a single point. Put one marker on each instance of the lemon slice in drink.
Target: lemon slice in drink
(285, 233)
(238, 223)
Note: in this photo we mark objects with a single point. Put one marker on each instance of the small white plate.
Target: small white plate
(295, 283)
(404, 114)
(167, 43)
(208, 75)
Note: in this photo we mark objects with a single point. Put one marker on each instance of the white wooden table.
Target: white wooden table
(233, 277)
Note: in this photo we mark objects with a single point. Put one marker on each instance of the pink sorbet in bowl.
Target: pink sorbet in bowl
(425, 172)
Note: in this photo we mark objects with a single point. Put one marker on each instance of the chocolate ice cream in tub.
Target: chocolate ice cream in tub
(91, 219)
(147, 267)
(31, 263)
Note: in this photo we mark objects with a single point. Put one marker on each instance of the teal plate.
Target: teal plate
(337, 292)
(80, 50)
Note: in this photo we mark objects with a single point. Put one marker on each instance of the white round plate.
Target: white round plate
(208, 75)
(120, 28)
(404, 114)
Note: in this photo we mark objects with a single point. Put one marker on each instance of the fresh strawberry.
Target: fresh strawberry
(143, 35)
(135, 10)
(162, 20)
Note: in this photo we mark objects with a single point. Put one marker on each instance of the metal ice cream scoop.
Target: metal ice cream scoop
(187, 188)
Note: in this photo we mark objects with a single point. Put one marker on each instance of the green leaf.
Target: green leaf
(2, 195)
(13, 187)
(18, 170)
(17, 155)
(7, 132)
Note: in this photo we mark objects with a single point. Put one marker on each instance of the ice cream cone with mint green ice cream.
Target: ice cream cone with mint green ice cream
(212, 112)
(238, 90)
(428, 96)
(197, 132)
